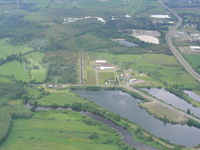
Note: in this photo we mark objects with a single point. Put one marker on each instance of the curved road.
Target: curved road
(176, 53)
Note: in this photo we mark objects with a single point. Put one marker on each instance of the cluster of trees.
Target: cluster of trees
(18, 57)
(192, 19)
(183, 3)
(11, 91)
(5, 125)
(193, 123)
(18, 30)
(60, 70)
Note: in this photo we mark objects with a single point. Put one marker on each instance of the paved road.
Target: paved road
(176, 53)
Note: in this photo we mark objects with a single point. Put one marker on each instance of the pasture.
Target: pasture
(14, 69)
(6, 49)
(60, 130)
(59, 98)
(194, 61)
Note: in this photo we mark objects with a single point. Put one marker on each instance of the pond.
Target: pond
(127, 106)
(193, 95)
(127, 43)
(172, 99)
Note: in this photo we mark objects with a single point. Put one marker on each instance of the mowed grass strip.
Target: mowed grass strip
(59, 130)
(105, 75)
(91, 77)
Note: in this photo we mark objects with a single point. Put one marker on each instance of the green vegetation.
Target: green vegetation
(35, 67)
(60, 69)
(60, 130)
(178, 92)
(106, 77)
(194, 61)
(10, 108)
(14, 70)
(67, 99)
(10, 91)
(6, 49)
(59, 98)
(4, 80)
(193, 123)
(38, 46)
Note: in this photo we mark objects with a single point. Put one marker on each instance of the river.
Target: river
(127, 106)
(126, 136)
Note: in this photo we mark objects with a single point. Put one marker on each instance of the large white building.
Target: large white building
(106, 67)
(103, 65)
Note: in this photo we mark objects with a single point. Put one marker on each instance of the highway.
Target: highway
(170, 44)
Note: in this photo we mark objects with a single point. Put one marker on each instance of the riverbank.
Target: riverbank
(126, 135)
(80, 103)
(84, 105)
(168, 113)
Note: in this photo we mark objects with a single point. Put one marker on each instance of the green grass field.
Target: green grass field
(59, 130)
(194, 61)
(59, 98)
(4, 80)
(7, 49)
(106, 75)
(15, 69)
(35, 66)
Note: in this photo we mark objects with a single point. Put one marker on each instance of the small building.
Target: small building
(195, 48)
(195, 34)
(101, 61)
(132, 80)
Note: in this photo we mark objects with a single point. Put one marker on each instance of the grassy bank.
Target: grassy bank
(52, 130)
(66, 98)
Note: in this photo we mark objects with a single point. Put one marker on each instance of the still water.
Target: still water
(127, 106)
(193, 95)
(172, 99)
